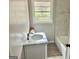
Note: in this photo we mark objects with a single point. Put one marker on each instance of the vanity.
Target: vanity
(37, 51)
(34, 48)
(37, 47)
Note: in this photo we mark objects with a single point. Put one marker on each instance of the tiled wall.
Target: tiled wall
(62, 17)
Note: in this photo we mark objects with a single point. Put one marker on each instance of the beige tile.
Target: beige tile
(52, 50)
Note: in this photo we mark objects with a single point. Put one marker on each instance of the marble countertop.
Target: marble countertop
(21, 42)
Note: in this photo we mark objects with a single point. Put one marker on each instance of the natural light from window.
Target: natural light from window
(42, 11)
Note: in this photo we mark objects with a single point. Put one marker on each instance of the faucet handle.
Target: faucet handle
(27, 36)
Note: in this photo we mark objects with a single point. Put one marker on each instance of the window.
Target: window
(42, 11)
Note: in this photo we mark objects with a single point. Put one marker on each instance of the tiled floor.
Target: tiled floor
(55, 57)
(52, 50)
(13, 57)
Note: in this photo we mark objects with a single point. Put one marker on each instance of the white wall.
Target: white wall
(47, 28)
(18, 22)
(19, 16)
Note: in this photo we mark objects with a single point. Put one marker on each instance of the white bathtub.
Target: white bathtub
(60, 42)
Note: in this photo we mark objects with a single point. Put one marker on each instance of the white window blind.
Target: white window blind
(42, 11)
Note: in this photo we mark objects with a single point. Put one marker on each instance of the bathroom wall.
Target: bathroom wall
(48, 28)
(60, 25)
(62, 17)
(19, 16)
(18, 22)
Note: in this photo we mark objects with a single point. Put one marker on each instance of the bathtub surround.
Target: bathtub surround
(60, 42)
(62, 17)
(63, 40)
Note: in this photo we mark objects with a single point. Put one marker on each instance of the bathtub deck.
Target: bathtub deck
(60, 42)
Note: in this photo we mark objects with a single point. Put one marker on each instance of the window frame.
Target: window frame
(51, 13)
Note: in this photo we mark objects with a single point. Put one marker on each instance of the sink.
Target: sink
(37, 37)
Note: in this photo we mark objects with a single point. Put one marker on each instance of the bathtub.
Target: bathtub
(60, 42)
